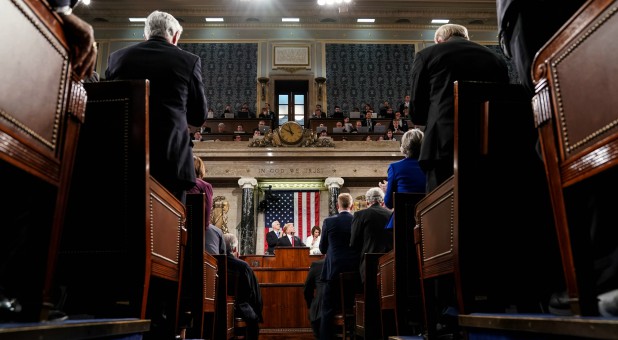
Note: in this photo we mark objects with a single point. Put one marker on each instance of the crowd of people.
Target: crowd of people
(177, 100)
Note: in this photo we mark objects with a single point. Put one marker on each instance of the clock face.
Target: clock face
(291, 132)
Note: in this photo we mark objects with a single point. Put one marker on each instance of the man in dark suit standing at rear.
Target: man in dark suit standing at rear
(340, 257)
(314, 286)
(434, 70)
(368, 228)
(176, 98)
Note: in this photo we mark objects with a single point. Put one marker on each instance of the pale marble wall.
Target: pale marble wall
(361, 165)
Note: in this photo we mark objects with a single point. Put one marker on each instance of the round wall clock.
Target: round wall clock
(291, 133)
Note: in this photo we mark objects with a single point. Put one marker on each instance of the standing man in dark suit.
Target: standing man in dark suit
(405, 104)
(368, 233)
(525, 26)
(454, 57)
(289, 239)
(176, 98)
(272, 237)
(340, 257)
(313, 290)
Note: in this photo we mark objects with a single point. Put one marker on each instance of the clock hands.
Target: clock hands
(289, 129)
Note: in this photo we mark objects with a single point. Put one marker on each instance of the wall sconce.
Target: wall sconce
(320, 81)
(263, 81)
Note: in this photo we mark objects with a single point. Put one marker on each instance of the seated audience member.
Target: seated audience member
(228, 109)
(213, 242)
(384, 109)
(221, 128)
(204, 129)
(239, 129)
(312, 290)
(245, 108)
(313, 241)
(288, 239)
(339, 125)
(367, 108)
(261, 124)
(368, 121)
(358, 125)
(338, 113)
(257, 133)
(398, 125)
(323, 133)
(389, 135)
(197, 136)
(368, 233)
(405, 104)
(237, 138)
(380, 138)
(201, 186)
(368, 138)
(318, 114)
(248, 298)
(348, 127)
(389, 113)
(264, 113)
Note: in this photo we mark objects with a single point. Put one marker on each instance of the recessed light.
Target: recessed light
(214, 19)
(290, 19)
(366, 20)
(137, 19)
(440, 21)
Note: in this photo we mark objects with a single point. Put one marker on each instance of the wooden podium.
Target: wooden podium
(282, 278)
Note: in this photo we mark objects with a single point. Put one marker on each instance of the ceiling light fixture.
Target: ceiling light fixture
(137, 19)
(440, 21)
(366, 20)
(290, 19)
(214, 19)
(333, 2)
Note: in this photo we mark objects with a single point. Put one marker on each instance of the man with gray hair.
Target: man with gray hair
(434, 70)
(247, 294)
(176, 97)
(368, 233)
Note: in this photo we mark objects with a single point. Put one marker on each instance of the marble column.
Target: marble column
(333, 184)
(247, 232)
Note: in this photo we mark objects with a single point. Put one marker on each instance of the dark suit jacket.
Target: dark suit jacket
(335, 244)
(248, 289)
(403, 126)
(434, 71)
(176, 100)
(271, 240)
(526, 25)
(368, 233)
(313, 290)
(284, 241)
(403, 106)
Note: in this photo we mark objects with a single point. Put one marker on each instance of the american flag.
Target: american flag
(299, 207)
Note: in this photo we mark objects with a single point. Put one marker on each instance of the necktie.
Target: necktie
(292, 240)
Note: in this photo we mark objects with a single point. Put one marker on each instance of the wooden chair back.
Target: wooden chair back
(125, 225)
(199, 272)
(575, 113)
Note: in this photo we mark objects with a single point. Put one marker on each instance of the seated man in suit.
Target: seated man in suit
(248, 297)
(398, 125)
(313, 295)
(289, 239)
(338, 113)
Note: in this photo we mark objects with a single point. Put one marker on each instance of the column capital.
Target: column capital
(247, 182)
(335, 182)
